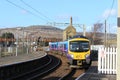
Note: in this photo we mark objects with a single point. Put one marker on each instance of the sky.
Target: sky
(15, 13)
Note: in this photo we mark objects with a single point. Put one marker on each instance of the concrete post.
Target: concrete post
(84, 30)
(118, 42)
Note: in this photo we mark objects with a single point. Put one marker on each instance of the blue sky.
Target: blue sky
(85, 12)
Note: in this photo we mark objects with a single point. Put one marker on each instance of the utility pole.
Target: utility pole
(105, 42)
(118, 42)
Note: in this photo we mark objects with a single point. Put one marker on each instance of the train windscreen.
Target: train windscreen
(79, 46)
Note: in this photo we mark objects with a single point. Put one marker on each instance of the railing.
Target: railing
(107, 60)
(16, 50)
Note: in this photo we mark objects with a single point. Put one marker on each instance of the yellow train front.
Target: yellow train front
(79, 52)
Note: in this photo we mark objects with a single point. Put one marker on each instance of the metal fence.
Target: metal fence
(16, 50)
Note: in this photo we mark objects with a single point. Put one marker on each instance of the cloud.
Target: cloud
(109, 12)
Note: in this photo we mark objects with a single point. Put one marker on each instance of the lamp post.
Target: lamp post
(17, 46)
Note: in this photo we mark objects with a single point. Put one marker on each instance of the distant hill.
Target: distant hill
(45, 27)
(34, 31)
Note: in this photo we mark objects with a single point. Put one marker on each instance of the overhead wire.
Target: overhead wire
(110, 9)
(34, 9)
(25, 10)
(113, 1)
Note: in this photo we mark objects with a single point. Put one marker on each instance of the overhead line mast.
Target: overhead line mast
(66, 24)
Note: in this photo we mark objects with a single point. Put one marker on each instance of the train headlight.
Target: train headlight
(71, 55)
(87, 56)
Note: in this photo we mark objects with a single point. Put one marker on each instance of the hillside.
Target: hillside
(34, 31)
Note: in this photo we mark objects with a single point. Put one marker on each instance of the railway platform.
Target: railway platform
(4, 61)
(92, 74)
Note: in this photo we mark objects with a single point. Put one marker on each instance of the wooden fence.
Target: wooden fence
(107, 60)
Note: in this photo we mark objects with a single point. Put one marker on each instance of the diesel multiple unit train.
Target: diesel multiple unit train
(76, 49)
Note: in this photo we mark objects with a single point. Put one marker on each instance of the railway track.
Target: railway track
(74, 73)
(40, 71)
(63, 72)
(56, 69)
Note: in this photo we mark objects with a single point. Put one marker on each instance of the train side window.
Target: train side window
(65, 46)
(55, 46)
(61, 45)
(52, 46)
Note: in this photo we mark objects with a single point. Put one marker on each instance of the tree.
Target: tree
(96, 30)
(39, 40)
(7, 39)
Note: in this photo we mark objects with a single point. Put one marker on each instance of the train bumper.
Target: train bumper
(80, 63)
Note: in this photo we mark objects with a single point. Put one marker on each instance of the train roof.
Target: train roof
(53, 42)
(79, 36)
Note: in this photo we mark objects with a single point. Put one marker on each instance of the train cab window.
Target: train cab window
(79, 46)
(85, 45)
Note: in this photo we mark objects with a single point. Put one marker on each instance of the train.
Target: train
(76, 49)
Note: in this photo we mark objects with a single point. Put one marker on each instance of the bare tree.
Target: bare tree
(94, 34)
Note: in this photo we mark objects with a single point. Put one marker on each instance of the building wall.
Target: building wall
(69, 32)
